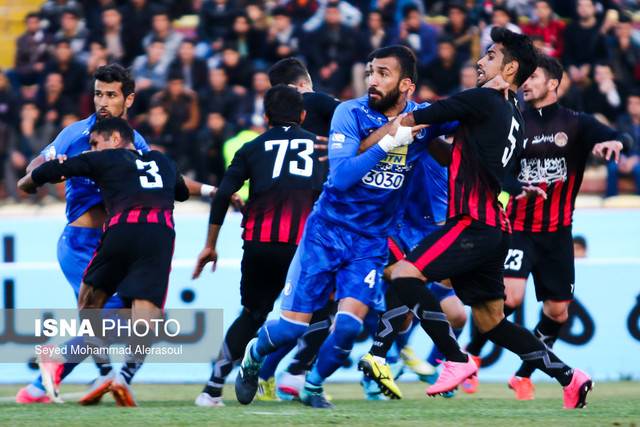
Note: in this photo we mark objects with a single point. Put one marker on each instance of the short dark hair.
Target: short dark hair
(551, 67)
(108, 126)
(32, 15)
(408, 9)
(405, 56)
(519, 48)
(580, 240)
(287, 71)
(116, 73)
(283, 104)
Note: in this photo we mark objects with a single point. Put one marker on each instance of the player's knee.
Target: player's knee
(405, 269)
(346, 330)
(514, 292)
(457, 316)
(487, 316)
(556, 311)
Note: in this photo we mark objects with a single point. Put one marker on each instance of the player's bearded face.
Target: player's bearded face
(109, 100)
(489, 65)
(381, 101)
(536, 86)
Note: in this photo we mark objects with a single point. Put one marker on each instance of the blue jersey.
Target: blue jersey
(81, 193)
(372, 205)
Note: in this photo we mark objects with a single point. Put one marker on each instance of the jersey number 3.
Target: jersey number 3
(294, 166)
(151, 178)
(508, 150)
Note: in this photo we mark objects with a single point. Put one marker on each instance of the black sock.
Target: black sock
(547, 331)
(241, 331)
(389, 324)
(104, 368)
(415, 294)
(309, 344)
(129, 370)
(522, 342)
(478, 339)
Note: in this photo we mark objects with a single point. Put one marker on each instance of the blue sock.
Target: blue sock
(435, 354)
(336, 347)
(275, 334)
(38, 383)
(270, 363)
(393, 355)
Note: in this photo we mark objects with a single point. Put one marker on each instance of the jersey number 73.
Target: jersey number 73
(302, 166)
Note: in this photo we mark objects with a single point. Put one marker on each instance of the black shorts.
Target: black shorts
(264, 271)
(549, 257)
(133, 260)
(470, 253)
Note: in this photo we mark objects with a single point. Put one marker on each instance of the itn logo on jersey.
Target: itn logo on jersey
(397, 156)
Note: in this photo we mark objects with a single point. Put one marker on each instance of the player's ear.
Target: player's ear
(510, 70)
(405, 85)
(128, 101)
(552, 85)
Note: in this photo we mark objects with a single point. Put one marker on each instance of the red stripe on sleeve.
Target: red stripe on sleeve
(554, 214)
(443, 243)
(284, 227)
(568, 205)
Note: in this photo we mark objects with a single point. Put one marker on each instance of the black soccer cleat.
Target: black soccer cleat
(247, 379)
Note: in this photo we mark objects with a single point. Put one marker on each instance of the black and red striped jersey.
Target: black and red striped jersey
(281, 166)
(136, 187)
(557, 144)
(489, 138)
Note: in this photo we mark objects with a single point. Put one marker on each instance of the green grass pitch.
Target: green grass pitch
(611, 404)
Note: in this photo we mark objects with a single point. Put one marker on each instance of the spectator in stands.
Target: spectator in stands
(460, 30)
(219, 97)
(98, 56)
(31, 50)
(73, 72)
(605, 95)
(252, 108)
(161, 28)
(52, 102)
(35, 132)
(136, 21)
(283, 38)
(194, 70)
(569, 94)
(331, 51)
(211, 138)
(417, 35)
(579, 246)
(51, 13)
(625, 53)
(500, 17)
(444, 71)
(239, 70)
(156, 131)
(148, 70)
(180, 102)
(630, 159)
(584, 44)
(468, 77)
(301, 10)
(548, 27)
(216, 17)
(249, 42)
(387, 9)
(112, 34)
(73, 29)
(350, 15)
(375, 34)
(8, 102)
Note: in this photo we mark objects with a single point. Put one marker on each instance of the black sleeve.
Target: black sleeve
(593, 132)
(470, 103)
(181, 191)
(86, 164)
(234, 177)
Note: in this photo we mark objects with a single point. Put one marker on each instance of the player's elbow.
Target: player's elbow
(37, 161)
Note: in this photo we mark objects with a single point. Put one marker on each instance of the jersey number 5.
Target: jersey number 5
(508, 150)
(294, 166)
(151, 177)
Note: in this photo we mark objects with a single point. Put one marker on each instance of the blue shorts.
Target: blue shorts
(76, 247)
(406, 239)
(330, 257)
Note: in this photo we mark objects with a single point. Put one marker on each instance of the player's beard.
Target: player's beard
(385, 102)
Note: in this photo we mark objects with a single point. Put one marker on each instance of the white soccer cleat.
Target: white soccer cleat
(206, 400)
(289, 385)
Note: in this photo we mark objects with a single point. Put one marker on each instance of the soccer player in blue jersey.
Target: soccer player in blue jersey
(113, 96)
(344, 243)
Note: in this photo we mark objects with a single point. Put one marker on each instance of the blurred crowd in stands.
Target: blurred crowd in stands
(200, 65)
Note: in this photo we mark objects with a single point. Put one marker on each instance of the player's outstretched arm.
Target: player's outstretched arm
(208, 253)
(469, 103)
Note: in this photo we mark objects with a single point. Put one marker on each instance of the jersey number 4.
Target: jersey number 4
(508, 150)
(295, 168)
(151, 178)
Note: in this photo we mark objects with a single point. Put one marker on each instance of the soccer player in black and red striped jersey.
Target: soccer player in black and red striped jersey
(557, 144)
(280, 166)
(135, 251)
(472, 245)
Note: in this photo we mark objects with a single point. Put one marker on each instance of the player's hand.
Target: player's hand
(531, 191)
(607, 149)
(27, 185)
(207, 255)
(407, 120)
(415, 130)
(237, 202)
(321, 145)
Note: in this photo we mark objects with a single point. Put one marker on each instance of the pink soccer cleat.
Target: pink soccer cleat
(470, 385)
(575, 394)
(29, 394)
(452, 375)
(523, 388)
(51, 371)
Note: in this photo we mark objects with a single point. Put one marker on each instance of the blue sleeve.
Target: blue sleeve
(139, 142)
(345, 166)
(64, 139)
